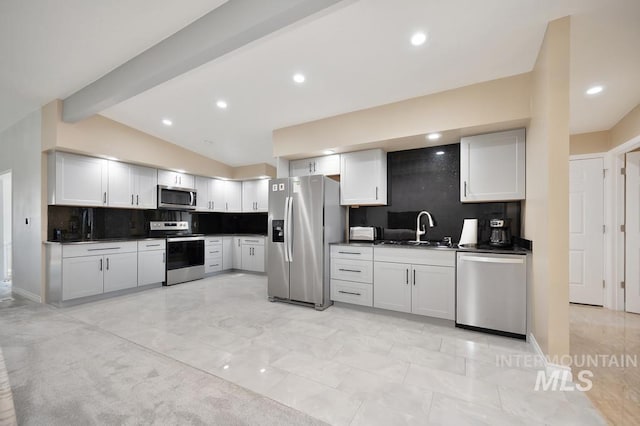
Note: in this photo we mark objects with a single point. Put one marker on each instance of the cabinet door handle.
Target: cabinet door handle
(349, 252)
(376, 193)
(131, 199)
(137, 200)
(104, 248)
(107, 263)
(101, 264)
(314, 166)
(153, 245)
(164, 257)
(465, 188)
(414, 277)
(407, 276)
(309, 168)
(349, 270)
(105, 198)
(349, 292)
(226, 206)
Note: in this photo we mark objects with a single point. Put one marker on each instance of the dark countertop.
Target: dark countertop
(455, 247)
(108, 240)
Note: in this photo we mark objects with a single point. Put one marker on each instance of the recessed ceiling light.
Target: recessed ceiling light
(299, 78)
(262, 370)
(167, 122)
(440, 153)
(226, 367)
(434, 136)
(594, 90)
(329, 152)
(418, 39)
(221, 104)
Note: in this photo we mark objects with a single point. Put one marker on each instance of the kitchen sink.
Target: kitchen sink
(430, 244)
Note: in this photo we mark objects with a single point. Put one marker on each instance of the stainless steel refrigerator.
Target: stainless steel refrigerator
(305, 216)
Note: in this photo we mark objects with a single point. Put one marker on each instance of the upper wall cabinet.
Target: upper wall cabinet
(255, 196)
(76, 180)
(132, 186)
(177, 179)
(233, 196)
(204, 189)
(363, 178)
(492, 167)
(328, 165)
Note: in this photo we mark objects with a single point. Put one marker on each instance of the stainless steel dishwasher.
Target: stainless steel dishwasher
(491, 293)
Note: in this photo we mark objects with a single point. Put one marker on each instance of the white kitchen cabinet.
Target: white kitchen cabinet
(492, 167)
(363, 178)
(233, 196)
(76, 180)
(120, 271)
(327, 165)
(82, 277)
(90, 269)
(237, 253)
(151, 261)
(227, 253)
(352, 274)
(176, 179)
(131, 186)
(213, 254)
(433, 292)
(217, 195)
(203, 188)
(151, 267)
(392, 287)
(255, 196)
(253, 254)
(420, 281)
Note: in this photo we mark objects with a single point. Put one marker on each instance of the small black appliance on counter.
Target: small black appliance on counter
(500, 232)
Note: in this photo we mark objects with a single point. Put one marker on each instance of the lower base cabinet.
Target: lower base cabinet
(82, 277)
(418, 289)
(253, 258)
(121, 271)
(151, 267)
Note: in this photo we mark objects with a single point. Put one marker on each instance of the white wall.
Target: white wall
(21, 152)
(5, 224)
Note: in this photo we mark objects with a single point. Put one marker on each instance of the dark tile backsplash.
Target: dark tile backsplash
(422, 179)
(97, 223)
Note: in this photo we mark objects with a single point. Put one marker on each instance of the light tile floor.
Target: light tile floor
(616, 388)
(345, 366)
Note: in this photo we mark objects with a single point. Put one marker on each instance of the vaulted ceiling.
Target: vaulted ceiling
(354, 56)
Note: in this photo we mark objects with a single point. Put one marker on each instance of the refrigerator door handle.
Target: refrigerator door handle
(286, 229)
(289, 237)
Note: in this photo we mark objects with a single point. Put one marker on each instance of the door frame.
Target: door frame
(610, 299)
(616, 203)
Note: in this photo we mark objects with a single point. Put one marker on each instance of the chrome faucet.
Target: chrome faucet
(422, 231)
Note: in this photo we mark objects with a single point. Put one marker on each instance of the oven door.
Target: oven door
(185, 259)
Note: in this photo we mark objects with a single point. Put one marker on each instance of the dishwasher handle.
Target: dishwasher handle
(491, 259)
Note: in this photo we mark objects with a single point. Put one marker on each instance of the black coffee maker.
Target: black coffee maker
(500, 232)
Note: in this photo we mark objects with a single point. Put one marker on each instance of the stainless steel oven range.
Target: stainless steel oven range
(185, 251)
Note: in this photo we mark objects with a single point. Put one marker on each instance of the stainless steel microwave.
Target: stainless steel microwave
(171, 197)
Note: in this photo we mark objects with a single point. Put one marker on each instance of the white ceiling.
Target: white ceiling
(356, 56)
(49, 49)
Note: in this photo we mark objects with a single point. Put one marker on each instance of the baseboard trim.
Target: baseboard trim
(26, 294)
(549, 367)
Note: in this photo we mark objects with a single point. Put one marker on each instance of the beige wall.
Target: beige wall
(492, 105)
(546, 209)
(103, 137)
(627, 128)
(590, 143)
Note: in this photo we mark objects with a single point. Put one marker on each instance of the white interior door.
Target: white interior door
(632, 234)
(586, 236)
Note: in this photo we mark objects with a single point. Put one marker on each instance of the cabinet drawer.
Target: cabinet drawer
(349, 292)
(213, 252)
(212, 241)
(351, 252)
(253, 241)
(96, 249)
(152, 245)
(352, 270)
(416, 256)
(212, 266)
